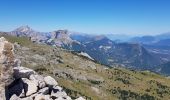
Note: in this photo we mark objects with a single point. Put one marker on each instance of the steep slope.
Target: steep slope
(111, 53)
(158, 45)
(20, 83)
(80, 76)
(164, 68)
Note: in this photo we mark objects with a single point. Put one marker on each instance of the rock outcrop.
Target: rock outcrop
(20, 83)
(6, 65)
(61, 38)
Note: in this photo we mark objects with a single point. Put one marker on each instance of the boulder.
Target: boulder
(42, 97)
(30, 87)
(39, 79)
(44, 91)
(22, 72)
(68, 98)
(80, 98)
(27, 98)
(58, 94)
(56, 89)
(15, 97)
(50, 81)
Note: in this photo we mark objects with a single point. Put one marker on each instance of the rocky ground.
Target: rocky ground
(21, 83)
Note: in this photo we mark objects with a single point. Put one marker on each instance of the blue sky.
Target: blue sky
(88, 16)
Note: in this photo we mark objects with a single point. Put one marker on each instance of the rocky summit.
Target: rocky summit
(21, 83)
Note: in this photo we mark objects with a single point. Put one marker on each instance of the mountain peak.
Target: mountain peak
(24, 28)
(60, 33)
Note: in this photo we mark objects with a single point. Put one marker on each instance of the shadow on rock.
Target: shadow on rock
(18, 87)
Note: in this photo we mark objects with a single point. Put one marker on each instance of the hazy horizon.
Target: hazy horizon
(129, 17)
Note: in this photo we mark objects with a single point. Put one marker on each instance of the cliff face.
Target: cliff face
(20, 83)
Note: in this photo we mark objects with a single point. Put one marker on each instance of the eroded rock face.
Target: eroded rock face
(20, 83)
(6, 65)
(6, 61)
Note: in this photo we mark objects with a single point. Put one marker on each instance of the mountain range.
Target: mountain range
(141, 53)
(157, 39)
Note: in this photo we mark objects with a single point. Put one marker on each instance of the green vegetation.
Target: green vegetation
(80, 76)
(21, 40)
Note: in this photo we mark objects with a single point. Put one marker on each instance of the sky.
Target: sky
(88, 16)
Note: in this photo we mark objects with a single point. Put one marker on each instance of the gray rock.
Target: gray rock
(22, 72)
(27, 98)
(80, 98)
(50, 81)
(17, 63)
(58, 94)
(55, 89)
(29, 86)
(42, 97)
(44, 91)
(15, 97)
(68, 98)
(2, 94)
(39, 79)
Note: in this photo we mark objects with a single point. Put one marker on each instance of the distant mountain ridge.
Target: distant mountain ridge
(32, 34)
(147, 39)
(144, 39)
(111, 53)
(100, 47)
(55, 38)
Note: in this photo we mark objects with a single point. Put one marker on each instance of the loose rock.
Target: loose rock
(50, 81)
